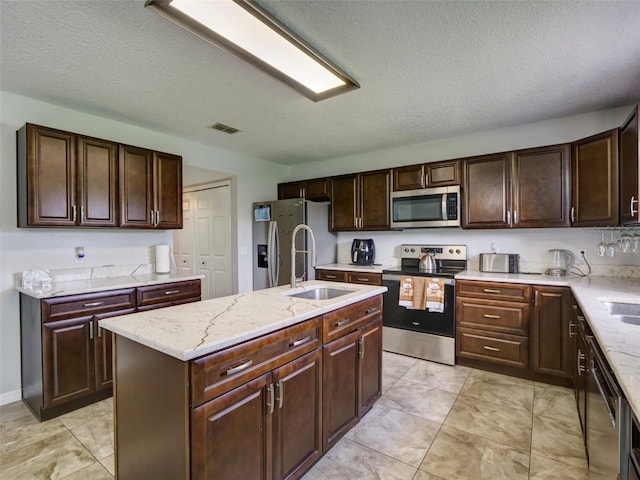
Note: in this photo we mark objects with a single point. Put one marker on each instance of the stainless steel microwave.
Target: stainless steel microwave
(427, 207)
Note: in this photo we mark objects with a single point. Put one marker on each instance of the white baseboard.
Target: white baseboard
(10, 397)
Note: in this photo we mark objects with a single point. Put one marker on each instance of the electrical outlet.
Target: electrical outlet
(582, 253)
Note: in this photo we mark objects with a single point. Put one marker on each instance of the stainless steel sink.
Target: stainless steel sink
(320, 293)
(626, 311)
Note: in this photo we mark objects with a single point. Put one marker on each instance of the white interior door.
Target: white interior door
(213, 240)
(183, 244)
(204, 244)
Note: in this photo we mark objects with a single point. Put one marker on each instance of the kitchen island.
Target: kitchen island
(257, 385)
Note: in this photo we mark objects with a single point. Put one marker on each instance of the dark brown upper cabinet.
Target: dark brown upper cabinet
(594, 180)
(629, 168)
(522, 189)
(436, 174)
(150, 189)
(360, 201)
(316, 190)
(65, 180)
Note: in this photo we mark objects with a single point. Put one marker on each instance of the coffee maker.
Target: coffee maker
(363, 251)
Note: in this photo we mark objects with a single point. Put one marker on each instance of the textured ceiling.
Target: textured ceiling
(427, 70)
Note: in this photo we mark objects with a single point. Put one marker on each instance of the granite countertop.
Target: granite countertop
(101, 284)
(619, 341)
(195, 329)
(349, 267)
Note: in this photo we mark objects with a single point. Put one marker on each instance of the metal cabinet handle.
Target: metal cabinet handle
(343, 322)
(572, 332)
(488, 315)
(369, 311)
(330, 276)
(280, 397)
(360, 279)
(573, 214)
(535, 298)
(93, 304)
(239, 368)
(515, 217)
(271, 402)
(301, 341)
(508, 218)
(361, 342)
(157, 217)
(633, 200)
(426, 179)
(417, 324)
(82, 213)
(99, 332)
(171, 292)
(492, 349)
(491, 290)
(151, 218)
(580, 367)
(91, 330)
(73, 213)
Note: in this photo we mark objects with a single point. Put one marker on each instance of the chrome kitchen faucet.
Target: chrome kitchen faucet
(302, 226)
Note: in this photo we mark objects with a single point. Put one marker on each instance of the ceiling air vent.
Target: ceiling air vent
(224, 128)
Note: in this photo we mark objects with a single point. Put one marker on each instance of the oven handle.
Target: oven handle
(392, 277)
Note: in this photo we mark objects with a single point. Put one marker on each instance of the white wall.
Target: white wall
(21, 249)
(532, 244)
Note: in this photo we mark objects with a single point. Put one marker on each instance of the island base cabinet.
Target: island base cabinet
(268, 428)
(352, 379)
(230, 434)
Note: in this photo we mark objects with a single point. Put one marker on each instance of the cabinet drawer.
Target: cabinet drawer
(73, 306)
(222, 371)
(505, 317)
(512, 292)
(347, 319)
(331, 275)
(364, 278)
(168, 293)
(493, 347)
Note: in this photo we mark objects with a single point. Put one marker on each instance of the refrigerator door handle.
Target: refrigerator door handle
(273, 267)
(276, 255)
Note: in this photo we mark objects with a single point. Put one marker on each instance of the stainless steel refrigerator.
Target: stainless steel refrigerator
(273, 224)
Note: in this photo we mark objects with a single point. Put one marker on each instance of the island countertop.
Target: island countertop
(195, 329)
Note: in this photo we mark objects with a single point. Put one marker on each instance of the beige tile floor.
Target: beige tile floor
(433, 422)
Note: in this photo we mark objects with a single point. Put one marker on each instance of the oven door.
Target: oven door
(442, 324)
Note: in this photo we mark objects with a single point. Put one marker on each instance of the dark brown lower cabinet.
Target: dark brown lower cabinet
(268, 428)
(550, 331)
(231, 434)
(68, 360)
(352, 379)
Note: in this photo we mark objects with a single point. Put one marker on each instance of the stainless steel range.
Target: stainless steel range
(423, 333)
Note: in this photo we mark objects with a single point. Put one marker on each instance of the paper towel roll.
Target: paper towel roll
(163, 259)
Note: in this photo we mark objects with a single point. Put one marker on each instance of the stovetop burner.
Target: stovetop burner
(450, 259)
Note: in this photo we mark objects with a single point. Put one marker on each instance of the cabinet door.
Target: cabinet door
(340, 403)
(46, 177)
(408, 178)
(297, 428)
(375, 190)
(168, 190)
(541, 180)
(67, 360)
(230, 434)
(594, 180)
(441, 174)
(344, 203)
(136, 187)
(370, 370)
(103, 351)
(317, 189)
(487, 191)
(551, 343)
(97, 184)
(290, 190)
(630, 169)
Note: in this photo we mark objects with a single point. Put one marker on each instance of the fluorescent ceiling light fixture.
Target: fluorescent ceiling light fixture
(245, 30)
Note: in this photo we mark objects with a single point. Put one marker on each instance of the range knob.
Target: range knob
(458, 251)
(413, 250)
(451, 250)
